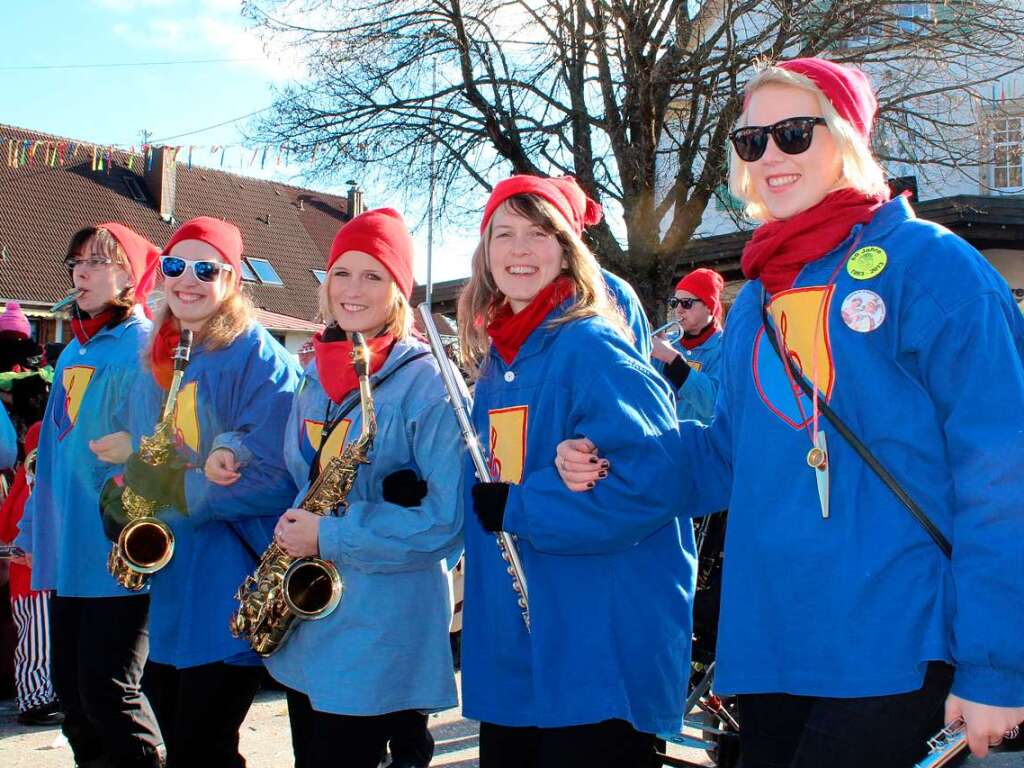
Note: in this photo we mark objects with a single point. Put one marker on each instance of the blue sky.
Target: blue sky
(48, 87)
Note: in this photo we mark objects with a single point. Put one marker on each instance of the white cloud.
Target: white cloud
(235, 41)
(130, 6)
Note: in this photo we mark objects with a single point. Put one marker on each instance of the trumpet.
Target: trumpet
(67, 301)
(673, 331)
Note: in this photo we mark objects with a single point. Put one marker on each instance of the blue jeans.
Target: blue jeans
(782, 731)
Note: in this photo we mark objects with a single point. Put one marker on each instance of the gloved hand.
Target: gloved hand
(163, 484)
(489, 504)
(111, 511)
(404, 488)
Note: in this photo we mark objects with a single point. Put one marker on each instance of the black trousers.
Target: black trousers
(783, 731)
(325, 740)
(98, 647)
(608, 744)
(200, 710)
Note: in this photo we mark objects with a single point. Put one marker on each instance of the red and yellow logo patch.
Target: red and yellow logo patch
(75, 381)
(186, 418)
(313, 433)
(508, 443)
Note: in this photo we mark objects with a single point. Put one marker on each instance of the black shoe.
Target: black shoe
(46, 715)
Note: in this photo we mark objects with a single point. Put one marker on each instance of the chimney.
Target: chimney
(160, 180)
(355, 199)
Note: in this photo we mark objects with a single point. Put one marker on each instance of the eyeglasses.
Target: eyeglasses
(87, 264)
(792, 136)
(684, 303)
(206, 271)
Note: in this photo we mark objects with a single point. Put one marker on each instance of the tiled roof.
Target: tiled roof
(42, 206)
(275, 322)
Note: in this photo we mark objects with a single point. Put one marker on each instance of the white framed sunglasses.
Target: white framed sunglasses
(204, 270)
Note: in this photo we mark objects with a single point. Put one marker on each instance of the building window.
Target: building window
(265, 271)
(247, 274)
(320, 275)
(1007, 152)
(913, 17)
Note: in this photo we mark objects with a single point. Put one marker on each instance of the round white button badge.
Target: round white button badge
(863, 311)
(509, 376)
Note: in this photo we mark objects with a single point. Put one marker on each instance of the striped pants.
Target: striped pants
(32, 656)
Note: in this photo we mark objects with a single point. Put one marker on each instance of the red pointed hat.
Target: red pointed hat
(381, 233)
(217, 233)
(564, 193)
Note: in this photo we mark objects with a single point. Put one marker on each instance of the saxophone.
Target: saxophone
(285, 588)
(146, 544)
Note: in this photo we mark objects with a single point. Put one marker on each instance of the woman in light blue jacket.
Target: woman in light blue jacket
(370, 671)
(8, 441)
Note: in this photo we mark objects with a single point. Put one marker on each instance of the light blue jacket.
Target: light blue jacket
(246, 388)
(857, 604)
(8, 441)
(610, 572)
(696, 398)
(61, 526)
(385, 647)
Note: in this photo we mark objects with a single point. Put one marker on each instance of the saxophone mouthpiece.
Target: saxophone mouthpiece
(183, 351)
(360, 354)
(67, 301)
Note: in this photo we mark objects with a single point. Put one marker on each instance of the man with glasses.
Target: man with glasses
(691, 363)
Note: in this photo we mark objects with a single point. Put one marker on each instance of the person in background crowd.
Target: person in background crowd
(692, 363)
(202, 680)
(97, 629)
(8, 441)
(555, 358)
(870, 628)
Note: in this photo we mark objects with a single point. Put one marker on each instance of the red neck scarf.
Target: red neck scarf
(161, 354)
(508, 330)
(334, 361)
(779, 249)
(692, 342)
(85, 328)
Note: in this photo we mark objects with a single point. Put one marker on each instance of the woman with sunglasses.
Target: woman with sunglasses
(845, 628)
(98, 630)
(604, 664)
(692, 363)
(369, 672)
(240, 381)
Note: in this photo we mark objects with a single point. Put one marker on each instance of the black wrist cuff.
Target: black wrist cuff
(677, 371)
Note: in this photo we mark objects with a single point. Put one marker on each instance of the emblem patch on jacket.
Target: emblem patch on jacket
(508, 443)
(75, 382)
(313, 433)
(801, 317)
(186, 419)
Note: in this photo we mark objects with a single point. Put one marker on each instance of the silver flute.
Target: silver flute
(67, 301)
(462, 402)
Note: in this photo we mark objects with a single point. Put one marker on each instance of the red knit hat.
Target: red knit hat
(14, 323)
(848, 90)
(706, 285)
(222, 235)
(141, 254)
(564, 193)
(382, 234)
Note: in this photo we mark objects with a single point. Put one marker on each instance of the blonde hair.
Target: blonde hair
(481, 298)
(399, 318)
(860, 171)
(111, 249)
(234, 315)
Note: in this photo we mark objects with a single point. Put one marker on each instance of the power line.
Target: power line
(27, 67)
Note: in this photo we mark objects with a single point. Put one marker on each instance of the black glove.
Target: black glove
(489, 504)
(111, 510)
(163, 484)
(404, 488)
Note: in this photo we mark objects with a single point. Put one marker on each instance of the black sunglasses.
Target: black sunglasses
(684, 303)
(792, 136)
(207, 271)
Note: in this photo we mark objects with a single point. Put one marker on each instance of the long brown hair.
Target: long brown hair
(481, 298)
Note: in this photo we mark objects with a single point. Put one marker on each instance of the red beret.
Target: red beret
(847, 88)
(564, 193)
(141, 254)
(706, 285)
(217, 233)
(382, 234)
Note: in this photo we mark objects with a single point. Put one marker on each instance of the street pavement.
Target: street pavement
(266, 742)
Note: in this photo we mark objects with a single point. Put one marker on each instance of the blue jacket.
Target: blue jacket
(385, 648)
(632, 309)
(696, 398)
(61, 526)
(247, 388)
(856, 604)
(8, 441)
(610, 572)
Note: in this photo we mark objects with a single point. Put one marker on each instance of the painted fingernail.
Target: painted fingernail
(590, 484)
(602, 474)
(593, 459)
(605, 465)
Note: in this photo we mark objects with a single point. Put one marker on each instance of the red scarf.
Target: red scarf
(85, 328)
(334, 362)
(161, 354)
(691, 342)
(508, 330)
(779, 249)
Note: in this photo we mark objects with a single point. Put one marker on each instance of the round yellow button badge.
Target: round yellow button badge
(866, 262)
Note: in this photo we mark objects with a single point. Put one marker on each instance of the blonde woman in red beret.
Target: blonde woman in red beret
(862, 445)
(98, 630)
